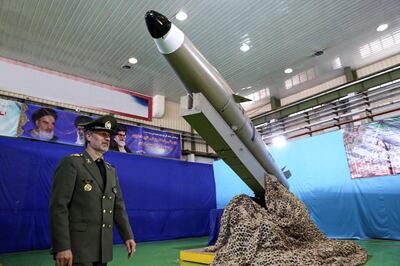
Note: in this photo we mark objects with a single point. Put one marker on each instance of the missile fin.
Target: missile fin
(286, 173)
(240, 99)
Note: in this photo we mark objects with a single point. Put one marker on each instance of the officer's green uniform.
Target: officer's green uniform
(83, 211)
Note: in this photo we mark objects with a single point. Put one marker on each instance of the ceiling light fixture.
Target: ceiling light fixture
(245, 47)
(279, 142)
(382, 27)
(288, 70)
(181, 16)
(337, 63)
(132, 60)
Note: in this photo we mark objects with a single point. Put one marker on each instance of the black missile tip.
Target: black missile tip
(157, 24)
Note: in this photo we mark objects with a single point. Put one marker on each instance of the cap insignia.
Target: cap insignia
(107, 125)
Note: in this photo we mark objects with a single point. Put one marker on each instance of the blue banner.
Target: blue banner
(51, 124)
(151, 142)
(134, 139)
(161, 143)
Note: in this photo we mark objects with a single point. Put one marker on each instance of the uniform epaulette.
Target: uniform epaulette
(76, 155)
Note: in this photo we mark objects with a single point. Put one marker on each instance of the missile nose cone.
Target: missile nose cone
(157, 24)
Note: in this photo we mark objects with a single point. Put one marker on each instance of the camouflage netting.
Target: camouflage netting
(280, 234)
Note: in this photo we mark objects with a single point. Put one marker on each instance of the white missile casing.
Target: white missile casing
(199, 76)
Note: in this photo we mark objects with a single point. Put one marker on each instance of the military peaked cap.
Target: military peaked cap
(103, 123)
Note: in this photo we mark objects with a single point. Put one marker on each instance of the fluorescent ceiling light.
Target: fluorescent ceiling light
(245, 47)
(181, 16)
(279, 141)
(288, 70)
(337, 63)
(132, 60)
(382, 27)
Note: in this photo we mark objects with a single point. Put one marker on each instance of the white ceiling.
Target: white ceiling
(94, 38)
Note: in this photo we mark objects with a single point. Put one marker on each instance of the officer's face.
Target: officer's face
(98, 140)
(46, 123)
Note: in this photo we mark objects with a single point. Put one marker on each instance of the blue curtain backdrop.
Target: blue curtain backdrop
(165, 199)
(228, 184)
(342, 207)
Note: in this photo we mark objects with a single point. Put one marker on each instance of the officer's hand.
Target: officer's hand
(130, 246)
(64, 258)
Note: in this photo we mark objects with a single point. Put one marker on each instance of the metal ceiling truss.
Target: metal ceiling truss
(360, 85)
(370, 104)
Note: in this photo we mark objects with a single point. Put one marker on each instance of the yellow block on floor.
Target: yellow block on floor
(197, 255)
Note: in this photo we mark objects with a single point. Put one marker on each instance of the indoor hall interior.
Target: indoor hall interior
(238, 121)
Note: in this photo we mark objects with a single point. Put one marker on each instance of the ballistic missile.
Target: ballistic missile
(199, 76)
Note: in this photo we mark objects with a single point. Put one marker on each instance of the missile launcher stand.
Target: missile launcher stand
(202, 116)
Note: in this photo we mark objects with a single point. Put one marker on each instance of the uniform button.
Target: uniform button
(109, 226)
(104, 197)
(104, 211)
(104, 225)
(109, 197)
(110, 211)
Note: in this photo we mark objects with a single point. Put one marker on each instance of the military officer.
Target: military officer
(86, 201)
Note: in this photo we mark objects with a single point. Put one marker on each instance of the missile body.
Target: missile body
(199, 76)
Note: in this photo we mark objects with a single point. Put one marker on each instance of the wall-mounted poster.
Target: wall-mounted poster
(10, 112)
(161, 143)
(51, 124)
(151, 142)
(373, 149)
